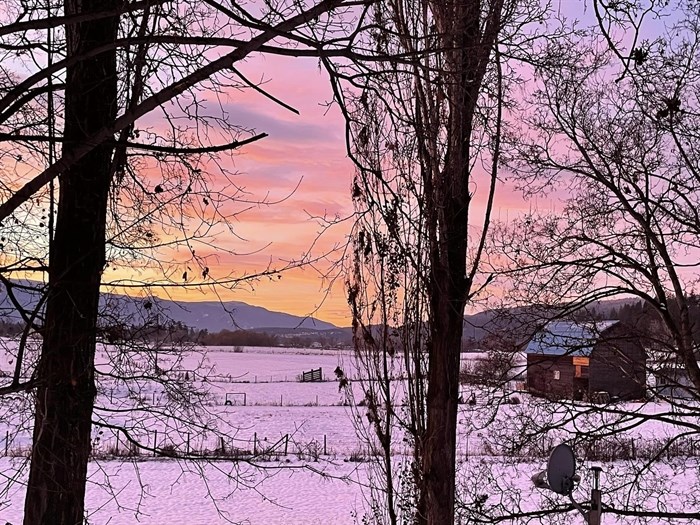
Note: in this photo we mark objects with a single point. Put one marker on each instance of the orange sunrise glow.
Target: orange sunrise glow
(303, 171)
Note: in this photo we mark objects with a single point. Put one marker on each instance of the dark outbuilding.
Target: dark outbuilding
(592, 361)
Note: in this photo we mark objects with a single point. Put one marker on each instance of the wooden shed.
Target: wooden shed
(593, 360)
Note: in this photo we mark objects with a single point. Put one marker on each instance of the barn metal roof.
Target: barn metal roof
(567, 338)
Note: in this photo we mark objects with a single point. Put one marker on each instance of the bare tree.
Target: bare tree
(424, 125)
(619, 137)
(97, 68)
(610, 132)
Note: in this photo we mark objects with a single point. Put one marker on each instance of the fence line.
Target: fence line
(159, 443)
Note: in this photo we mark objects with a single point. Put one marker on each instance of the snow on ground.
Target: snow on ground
(270, 364)
(156, 491)
(166, 491)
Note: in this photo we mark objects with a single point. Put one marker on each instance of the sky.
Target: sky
(301, 167)
(302, 162)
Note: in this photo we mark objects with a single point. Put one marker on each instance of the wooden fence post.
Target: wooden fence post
(255, 444)
(286, 443)
(325, 450)
(155, 443)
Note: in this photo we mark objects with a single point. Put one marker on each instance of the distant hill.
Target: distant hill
(521, 322)
(213, 316)
(231, 315)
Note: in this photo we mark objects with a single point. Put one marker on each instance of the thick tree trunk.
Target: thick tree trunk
(460, 28)
(443, 392)
(448, 293)
(66, 385)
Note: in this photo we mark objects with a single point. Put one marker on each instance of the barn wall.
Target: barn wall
(540, 375)
(617, 365)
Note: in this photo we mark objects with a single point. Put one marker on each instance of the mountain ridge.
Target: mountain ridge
(215, 316)
(212, 316)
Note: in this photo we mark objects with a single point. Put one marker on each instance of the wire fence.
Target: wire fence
(112, 443)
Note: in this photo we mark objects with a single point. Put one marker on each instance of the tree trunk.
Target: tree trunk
(443, 391)
(66, 383)
(460, 28)
(448, 293)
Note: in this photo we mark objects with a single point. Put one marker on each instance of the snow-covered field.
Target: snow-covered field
(159, 492)
(318, 481)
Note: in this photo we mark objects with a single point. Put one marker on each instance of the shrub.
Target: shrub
(356, 456)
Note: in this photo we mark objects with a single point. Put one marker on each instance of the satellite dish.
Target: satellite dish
(561, 470)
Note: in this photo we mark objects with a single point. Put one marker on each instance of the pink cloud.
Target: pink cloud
(308, 151)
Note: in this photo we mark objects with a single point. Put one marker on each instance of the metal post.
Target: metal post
(594, 516)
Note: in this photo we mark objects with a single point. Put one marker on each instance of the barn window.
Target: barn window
(581, 371)
(556, 375)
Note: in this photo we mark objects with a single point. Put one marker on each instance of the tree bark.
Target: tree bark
(443, 391)
(66, 383)
(469, 42)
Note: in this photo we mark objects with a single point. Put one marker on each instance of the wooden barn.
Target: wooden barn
(592, 361)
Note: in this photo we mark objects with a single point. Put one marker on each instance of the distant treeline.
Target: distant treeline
(10, 329)
(236, 338)
(648, 321)
(177, 332)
